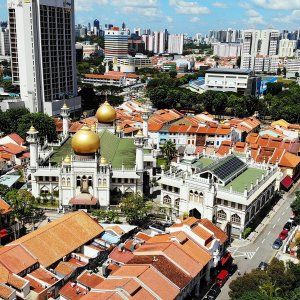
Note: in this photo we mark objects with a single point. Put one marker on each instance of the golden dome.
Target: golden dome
(103, 161)
(139, 134)
(106, 113)
(65, 106)
(67, 160)
(85, 141)
(32, 130)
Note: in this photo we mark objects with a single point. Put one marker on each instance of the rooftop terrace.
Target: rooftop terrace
(245, 179)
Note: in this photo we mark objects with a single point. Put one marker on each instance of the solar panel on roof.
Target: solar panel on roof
(229, 167)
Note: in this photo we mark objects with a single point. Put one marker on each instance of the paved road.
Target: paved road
(249, 255)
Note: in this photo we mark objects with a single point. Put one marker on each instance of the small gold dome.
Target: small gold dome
(32, 130)
(139, 134)
(106, 113)
(85, 141)
(65, 106)
(67, 160)
(103, 161)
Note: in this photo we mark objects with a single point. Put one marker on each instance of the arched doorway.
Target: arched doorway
(195, 213)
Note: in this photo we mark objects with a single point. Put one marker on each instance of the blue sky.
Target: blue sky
(185, 16)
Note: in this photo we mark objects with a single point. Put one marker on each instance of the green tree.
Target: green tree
(169, 150)
(42, 122)
(274, 88)
(88, 98)
(135, 208)
(9, 119)
(22, 203)
(295, 206)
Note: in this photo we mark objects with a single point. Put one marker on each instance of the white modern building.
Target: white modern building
(175, 43)
(287, 48)
(256, 42)
(230, 80)
(159, 42)
(43, 63)
(131, 64)
(4, 42)
(228, 190)
(227, 49)
(116, 43)
(292, 67)
(149, 42)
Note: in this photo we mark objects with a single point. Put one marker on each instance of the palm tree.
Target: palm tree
(169, 150)
(270, 290)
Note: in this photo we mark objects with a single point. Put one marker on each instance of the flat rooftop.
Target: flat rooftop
(245, 179)
(230, 71)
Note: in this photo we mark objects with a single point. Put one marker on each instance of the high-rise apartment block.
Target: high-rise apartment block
(4, 42)
(159, 41)
(115, 43)
(257, 47)
(287, 48)
(42, 43)
(227, 49)
(175, 43)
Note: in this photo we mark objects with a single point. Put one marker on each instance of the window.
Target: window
(177, 201)
(219, 201)
(225, 203)
(167, 200)
(240, 206)
(221, 215)
(233, 204)
(235, 219)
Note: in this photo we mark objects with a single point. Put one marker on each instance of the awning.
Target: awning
(3, 233)
(287, 182)
(226, 258)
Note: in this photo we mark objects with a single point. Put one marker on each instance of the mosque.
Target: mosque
(101, 161)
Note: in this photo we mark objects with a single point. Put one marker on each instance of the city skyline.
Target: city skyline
(187, 16)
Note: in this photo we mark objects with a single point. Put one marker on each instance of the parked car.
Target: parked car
(231, 269)
(222, 277)
(277, 244)
(213, 293)
(287, 226)
(283, 234)
(262, 266)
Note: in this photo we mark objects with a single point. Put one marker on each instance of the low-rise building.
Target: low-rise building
(231, 80)
(227, 189)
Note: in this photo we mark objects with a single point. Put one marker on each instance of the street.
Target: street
(248, 255)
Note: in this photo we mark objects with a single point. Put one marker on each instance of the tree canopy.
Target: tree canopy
(135, 208)
(279, 282)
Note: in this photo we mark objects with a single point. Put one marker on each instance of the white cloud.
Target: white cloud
(83, 5)
(252, 13)
(292, 18)
(278, 4)
(194, 19)
(220, 5)
(169, 19)
(188, 7)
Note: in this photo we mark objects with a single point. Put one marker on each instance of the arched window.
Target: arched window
(222, 215)
(196, 197)
(236, 219)
(68, 181)
(167, 200)
(90, 181)
(78, 181)
(252, 211)
(104, 182)
(200, 197)
(99, 182)
(191, 196)
(258, 205)
(177, 201)
(63, 181)
(247, 218)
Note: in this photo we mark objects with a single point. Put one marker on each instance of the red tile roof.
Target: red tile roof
(14, 136)
(4, 207)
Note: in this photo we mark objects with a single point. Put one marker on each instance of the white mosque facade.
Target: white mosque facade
(85, 179)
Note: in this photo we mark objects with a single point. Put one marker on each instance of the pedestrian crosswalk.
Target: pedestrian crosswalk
(235, 253)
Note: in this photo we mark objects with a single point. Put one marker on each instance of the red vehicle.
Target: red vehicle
(283, 234)
(222, 277)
